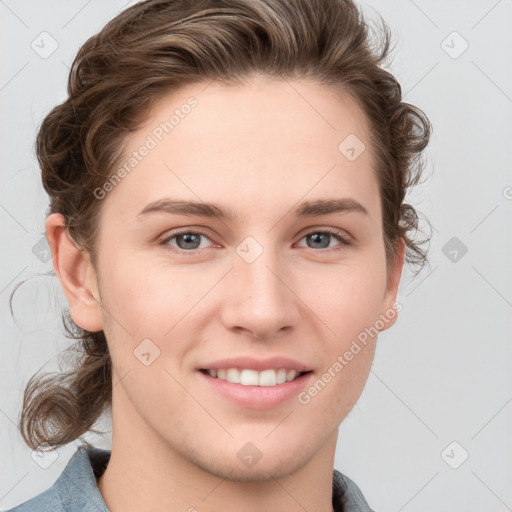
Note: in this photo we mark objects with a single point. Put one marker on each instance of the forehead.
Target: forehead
(265, 144)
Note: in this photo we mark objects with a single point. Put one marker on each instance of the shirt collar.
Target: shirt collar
(77, 487)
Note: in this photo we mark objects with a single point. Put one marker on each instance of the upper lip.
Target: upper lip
(249, 362)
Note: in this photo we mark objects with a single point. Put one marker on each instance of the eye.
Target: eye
(320, 239)
(186, 241)
(190, 241)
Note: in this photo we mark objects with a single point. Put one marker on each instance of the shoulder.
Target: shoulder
(347, 497)
(76, 487)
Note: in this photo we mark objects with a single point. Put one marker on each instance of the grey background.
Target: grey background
(441, 374)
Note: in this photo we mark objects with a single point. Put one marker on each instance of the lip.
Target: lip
(256, 397)
(257, 364)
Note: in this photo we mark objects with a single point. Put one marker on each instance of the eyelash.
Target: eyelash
(344, 242)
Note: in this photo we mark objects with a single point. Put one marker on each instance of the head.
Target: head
(272, 112)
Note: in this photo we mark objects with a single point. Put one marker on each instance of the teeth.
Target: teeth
(291, 375)
(267, 378)
(249, 377)
(233, 375)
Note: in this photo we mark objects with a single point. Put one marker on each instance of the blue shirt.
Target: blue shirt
(76, 488)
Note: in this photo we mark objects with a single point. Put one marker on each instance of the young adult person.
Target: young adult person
(227, 221)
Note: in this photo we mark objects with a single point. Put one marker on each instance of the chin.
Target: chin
(228, 463)
(262, 471)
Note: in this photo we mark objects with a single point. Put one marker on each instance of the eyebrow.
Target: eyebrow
(201, 209)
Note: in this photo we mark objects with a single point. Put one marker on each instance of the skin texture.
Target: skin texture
(258, 149)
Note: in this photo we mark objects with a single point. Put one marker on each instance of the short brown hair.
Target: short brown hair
(156, 46)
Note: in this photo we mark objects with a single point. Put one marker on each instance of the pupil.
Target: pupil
(188, 239)
(316, 236)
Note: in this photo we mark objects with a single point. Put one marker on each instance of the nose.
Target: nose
(258, 299)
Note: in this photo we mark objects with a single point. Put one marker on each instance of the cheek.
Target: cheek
(348, 300)
(155, 302)
(148, 299)
(347, 351)
(349, 304)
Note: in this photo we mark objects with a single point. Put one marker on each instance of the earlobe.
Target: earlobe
(76, 274)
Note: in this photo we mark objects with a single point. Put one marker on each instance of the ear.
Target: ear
(389, 313)
(76, 275)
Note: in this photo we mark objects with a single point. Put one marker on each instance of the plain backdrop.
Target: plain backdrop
(432, 428)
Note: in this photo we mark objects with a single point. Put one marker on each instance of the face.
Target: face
(277, 293)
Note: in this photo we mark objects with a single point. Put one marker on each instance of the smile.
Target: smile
(250, 377)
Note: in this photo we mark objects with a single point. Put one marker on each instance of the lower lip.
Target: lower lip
(257, 397)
